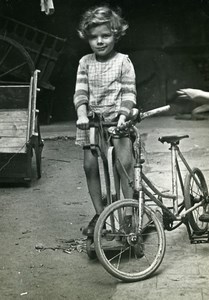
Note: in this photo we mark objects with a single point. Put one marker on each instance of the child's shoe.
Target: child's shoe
(89, 230)
(127, 224)
(204, 217)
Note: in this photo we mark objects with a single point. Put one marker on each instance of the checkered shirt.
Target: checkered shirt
(107, 88)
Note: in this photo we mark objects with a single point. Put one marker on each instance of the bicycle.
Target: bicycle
(131, 247)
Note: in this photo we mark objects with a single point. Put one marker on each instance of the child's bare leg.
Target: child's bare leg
(123, 153)
(91, 169)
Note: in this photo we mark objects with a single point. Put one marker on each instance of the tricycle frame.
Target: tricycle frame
(113, 216)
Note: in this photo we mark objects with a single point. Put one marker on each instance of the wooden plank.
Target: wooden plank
(12, 145)
(13, 123)
(15, 86)
(13, 132)
(13, 126)
(12, 142)
(13, 111)
(13, 150)
(13, 116)
(17, 120)
(14, 97)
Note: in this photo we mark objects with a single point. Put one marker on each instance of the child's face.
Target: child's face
(101, 41)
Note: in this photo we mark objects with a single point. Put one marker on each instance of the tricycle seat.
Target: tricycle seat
(172, 139)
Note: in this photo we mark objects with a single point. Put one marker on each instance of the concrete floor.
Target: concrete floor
(38, 223)
(184, 273)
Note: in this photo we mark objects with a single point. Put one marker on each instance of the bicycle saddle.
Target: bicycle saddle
(172, 139)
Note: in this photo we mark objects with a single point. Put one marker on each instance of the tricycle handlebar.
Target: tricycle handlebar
(141, 116)
(153, 112)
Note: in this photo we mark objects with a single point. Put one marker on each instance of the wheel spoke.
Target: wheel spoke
(16, 65)
(5, 55)
(122, 250)
(13, 69)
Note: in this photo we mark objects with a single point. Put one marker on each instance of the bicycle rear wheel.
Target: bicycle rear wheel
(194, 194)
(124, 252)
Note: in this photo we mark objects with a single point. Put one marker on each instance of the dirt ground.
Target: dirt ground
(42, 248)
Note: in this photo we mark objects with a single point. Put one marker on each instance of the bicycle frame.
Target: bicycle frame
(131, 227)
(141, 180)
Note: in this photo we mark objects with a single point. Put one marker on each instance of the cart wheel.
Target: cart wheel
(38, 148)
(16, 65)
(89, 248)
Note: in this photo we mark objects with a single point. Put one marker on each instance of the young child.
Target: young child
(105, 85)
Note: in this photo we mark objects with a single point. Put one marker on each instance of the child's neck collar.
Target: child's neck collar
(106, 58)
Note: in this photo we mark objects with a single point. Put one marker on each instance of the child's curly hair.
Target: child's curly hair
(100, 15)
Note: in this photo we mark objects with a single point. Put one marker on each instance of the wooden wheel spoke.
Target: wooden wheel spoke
(16, 63)
(13, 69)
(5, 55)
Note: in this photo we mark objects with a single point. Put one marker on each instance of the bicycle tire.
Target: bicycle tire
(123, 259)
(193, 194)
(90, 252)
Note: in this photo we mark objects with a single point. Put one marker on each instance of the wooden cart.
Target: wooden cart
(19, 127)
(19, 132)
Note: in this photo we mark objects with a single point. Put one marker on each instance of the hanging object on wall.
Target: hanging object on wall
(47, 6)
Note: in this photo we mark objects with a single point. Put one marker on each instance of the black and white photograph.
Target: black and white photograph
(104, 149)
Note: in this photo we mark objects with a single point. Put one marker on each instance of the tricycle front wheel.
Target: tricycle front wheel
(126, 252)
(90, 248)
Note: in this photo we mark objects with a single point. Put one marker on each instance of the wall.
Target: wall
(167, 42)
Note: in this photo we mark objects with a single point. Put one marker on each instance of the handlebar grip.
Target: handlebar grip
(155, 111)
(124, 126)
(149, 113)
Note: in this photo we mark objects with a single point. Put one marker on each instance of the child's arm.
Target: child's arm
(83, 121)
(193, 94)
(128, 81)
(81, 96)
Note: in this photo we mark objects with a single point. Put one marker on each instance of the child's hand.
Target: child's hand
(122, 120)
(83, 123)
